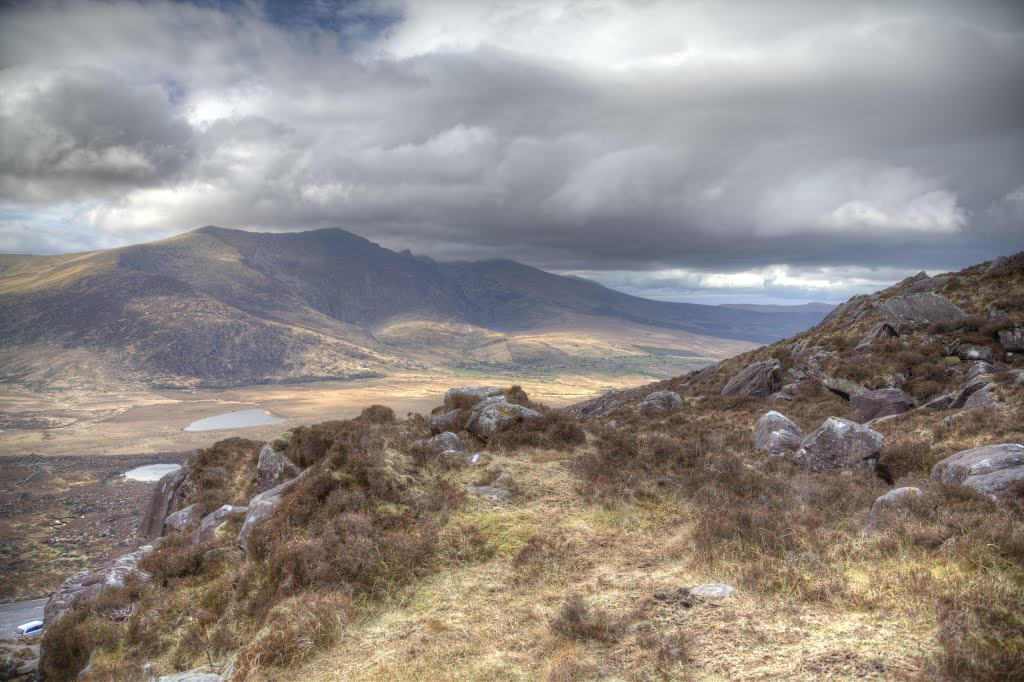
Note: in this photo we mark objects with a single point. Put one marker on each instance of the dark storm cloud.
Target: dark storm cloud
(772, 150)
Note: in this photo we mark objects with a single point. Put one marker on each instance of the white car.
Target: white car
(30, 629)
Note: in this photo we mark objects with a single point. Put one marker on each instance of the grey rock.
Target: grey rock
(779, 395)
(1018, 375)
(1012, 339)
(453, 395)
(445, 422)
(941, 403)
(660, 401)
(759, 379)
(882, 403)
(840, 443)
(212, 523)
(993, 313)
(998, 264)
(705, 375)
(493, 494)
(87, 584)
(844, 388)
(913, 311)
(273, 469)
(713, 590)
(980, 369)
(977, 393)
(184, 519)
(973, 352)
(775, 434)
(888, 501)
(987, 469)
(168, 496)
(191, 676)
(446, 442)
(882, 330)
(494, 415)
(982, 398)
(261, 507)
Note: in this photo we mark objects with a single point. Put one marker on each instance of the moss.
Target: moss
(281, 442)
(951, 360)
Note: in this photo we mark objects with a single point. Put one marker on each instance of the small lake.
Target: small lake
(233, 420)
(151, 473)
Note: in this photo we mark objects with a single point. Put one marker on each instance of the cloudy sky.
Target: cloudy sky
(735, 150)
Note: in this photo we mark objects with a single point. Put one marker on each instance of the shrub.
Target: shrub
(377, 414)
(554, 430)
(576, 620)
(981, 633)
(174, 558)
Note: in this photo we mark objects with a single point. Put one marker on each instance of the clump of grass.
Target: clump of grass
(576, 620)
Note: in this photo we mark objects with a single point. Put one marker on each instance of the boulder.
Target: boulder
(840, 443)
(775, 434)
(1012, 340)
(1018, 375)
(882, 403)
(273, 469)
(888, 501)
(440, 423)
(494, 415)
(980, 369)
(941, 403)
(713, 590)
(493, 494)
(972, 352)
(444, 443)
(660, 401)
(913, 311)
(168, 496)
(197, 675)
(184, 518)
(977, 393)
(477, 393)
(982, 398)
(759, 379)
(987, 469)
(212, 523)
(882, 330)
(87, 584)
(261, 507)
(844, 388)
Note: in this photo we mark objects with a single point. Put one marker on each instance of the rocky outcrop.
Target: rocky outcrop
(211, 526)
(454, 396)
(168, 496)
(439, 423)
(844, 388)
(261, 507)
(977, 393)
(87, 584)
(882, 330)
(660, 401)
(273, 469)
(884, 402)
(913, 311)
(980, 369)
(987, 469)
(495, 415)
(840, 443)
(940, 403)
(444, 443)
(887, 503)
(759, 379)
(775, 434)
(184, 519)
(1012, 340)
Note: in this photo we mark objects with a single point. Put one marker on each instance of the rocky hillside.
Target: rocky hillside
(846, 504)
(220, 307)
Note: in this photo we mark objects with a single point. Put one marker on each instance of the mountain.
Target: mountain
(224, 307)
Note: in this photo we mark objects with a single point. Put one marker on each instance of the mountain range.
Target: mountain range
(220, 307)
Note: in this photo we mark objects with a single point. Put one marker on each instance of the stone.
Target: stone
(444, 443)
(963, 398)
(440, 423)
(191, 676)
(913, 311)
(273, 469)
(660, 401)
(184, 519)
(844, 388)
(493, 494)
(705, 375)
(890, 500)
(494, 415)
(981, 398)
(87, 584)
(775, 434)
(840, 443)
(713, 590)
(212, 523)
(1012, 340)
(1018, 375)
(972, 352)
(980, 369)
(988, 469)
(941, 403)
(477, 393)
(882, 330)
(167, 497)
(759, 379)
(884, 402)
(261, 507)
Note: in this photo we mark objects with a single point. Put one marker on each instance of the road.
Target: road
(13, 615)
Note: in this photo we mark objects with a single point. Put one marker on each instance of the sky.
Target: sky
(714, 152)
